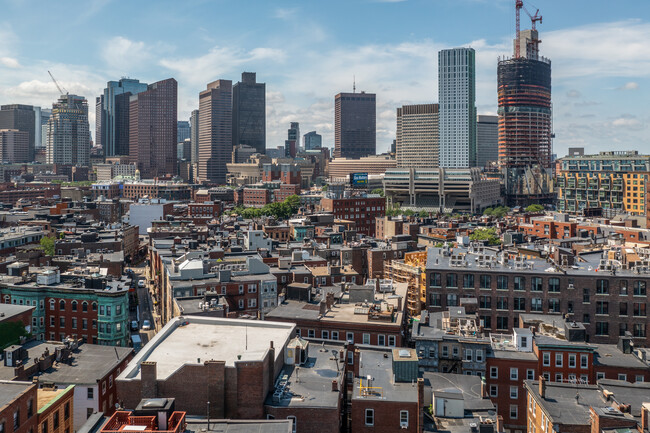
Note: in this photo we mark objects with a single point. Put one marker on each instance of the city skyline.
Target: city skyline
(589, 74)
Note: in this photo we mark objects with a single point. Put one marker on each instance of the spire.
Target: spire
(354, 84)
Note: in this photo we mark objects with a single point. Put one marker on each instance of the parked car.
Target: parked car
(146, 325)
(134, 325)
(141, 284)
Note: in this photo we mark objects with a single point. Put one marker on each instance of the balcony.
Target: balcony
(123, 421)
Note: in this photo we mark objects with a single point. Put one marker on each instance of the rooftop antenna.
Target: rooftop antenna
(354, 84)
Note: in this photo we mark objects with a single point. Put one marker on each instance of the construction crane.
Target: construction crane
(519, 4)
(62, 91)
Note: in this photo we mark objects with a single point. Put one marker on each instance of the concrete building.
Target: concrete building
(355, 125)
(487, 141)
(183, 131)
(442, 189)
(242, 153)
(312, 140)
(341, 168)
(142, 214)
(112, 115)
(457, 99)
(292, 143)
(418, 140)
(153, 129)
(194, 136)
(22, 118)
(215, 131)
(46, 113)
(249, 113)
(14, 146)
(68, 134)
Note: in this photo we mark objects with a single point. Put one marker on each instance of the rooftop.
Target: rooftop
(193, 340)
(10, 390)
(8, 311)
(376, 364)
(198, 425)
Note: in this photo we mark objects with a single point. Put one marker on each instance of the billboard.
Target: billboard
(359, 179)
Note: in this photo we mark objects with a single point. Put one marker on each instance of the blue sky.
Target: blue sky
(307, 51)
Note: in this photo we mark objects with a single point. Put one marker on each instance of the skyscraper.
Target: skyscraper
(22, 118)
(152, 129)
(292, 142)
(457, 99)
(525, 119)
(14, 146)
(487, 140)
(355, 125)
(68, 132)
(115, 115)
(215, 131)
(418, 138)
(312, 140)
(45, 117)
(182, 131)
(249, 112)
(99, 121)
(194, 136)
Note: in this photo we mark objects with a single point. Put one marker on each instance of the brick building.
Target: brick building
(206, 209)
(255, 197)
(361, 209)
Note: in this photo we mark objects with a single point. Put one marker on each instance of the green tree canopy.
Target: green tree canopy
(535, 208)
(47, 244)
(379, 191)
(488, 234)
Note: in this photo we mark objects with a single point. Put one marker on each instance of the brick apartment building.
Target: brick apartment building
(361, 209)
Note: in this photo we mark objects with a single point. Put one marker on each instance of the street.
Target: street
(144, 306)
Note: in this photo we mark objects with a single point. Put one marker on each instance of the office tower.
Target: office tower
(100, 113)
(194, 136)
(312, 140)
(215, 131)
(182, 131)
(114, 121)
(292, 143)
(355, 128)
(417, 140)
(22, 118)
(457, 96)
(487, 140)
(68, 132)
(152, 129)
(184, 150)
(525, 122)
(393, 146)
(38, 130)
(14, 146)
(249, 113)
(45, 116)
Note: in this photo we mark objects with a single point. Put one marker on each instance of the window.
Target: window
(468, 281)
(51, 304)
(445, 351)
(73, 304)
(452, 300)
(311, 333)
(468, 354)
(558, 377)
(622, 309)
(502, 303)
(30, 408)
(585, 296)
(602, 307)
(55, 420)
(94, 306)
(252, 303)
(600, 375)
(494, 372)
(536, 304)
(494, 390)
(293, 423)
(44, 425)
(435, 300)
(370, 417)
(513, 411)
(584, 361)
(520, 283)
(84, 306)
(502, 282)
(514, 373)
(530, 374)
(639, 288)
(325, 335)
(519, 304)
(536, 284)
(62, 305)
(366, 338)
(572, 360)
(602, 287)
(485, 302)
(602, 328)
(349, 337)
(558, 359)
(639, 309)
(553, 305)
(514, 392)
(479, 355)
(335, 335)
(502, 322)
(546, 359)
(436, 279)
(403, 418)
(622, 376)
(452, 281)
(485, 281)
(16, 419)
(381, 340)
(554, 285)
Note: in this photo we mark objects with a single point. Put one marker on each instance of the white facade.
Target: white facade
(457, 99)
(68, 132)
(142, 214)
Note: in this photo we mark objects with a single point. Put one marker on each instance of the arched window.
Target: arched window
(84, 306)
(94, 306)
(74, 305)
(51, 304)
(62, 305)
(7, 299)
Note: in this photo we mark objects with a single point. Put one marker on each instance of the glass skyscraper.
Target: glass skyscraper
(114, 124)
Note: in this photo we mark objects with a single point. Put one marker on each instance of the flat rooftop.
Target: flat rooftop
(377, 363)
(11, 390)
(194, 340)
(200, 425)
(9, 311)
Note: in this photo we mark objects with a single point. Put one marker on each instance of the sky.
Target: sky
(309, 50)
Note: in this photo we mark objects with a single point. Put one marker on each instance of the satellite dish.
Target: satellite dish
(335, 352)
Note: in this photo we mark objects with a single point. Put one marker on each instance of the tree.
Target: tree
(488, 234)
(535, 208)
(379, 191)
(47, 244)
(293, 201)
(423, 214)
(324, 188)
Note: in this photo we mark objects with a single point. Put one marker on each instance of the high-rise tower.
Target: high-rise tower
(249, 113)
(525, 120)
(417, 143)
(153, 129)
(194, 136)
(68, 132)
(215, 131)
(457, 100)
(355, 125)
(22, 118)
(114, 121)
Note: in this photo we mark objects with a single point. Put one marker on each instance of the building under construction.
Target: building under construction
(525, 119)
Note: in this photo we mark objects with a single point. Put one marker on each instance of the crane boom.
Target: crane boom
(61, 90)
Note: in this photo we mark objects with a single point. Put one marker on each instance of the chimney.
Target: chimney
(335, 385)
(499, 424)
(341, 355)
(645, 417)
(149, 379)
(542, 387)
(399, 304)
(322, 308)
(483, 387)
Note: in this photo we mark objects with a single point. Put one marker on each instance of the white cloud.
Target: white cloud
(284, 13)
(626, 122)
(9, 62)
(123, 55)
(630, 85)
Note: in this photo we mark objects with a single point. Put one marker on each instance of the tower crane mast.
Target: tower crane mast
(61, 90)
